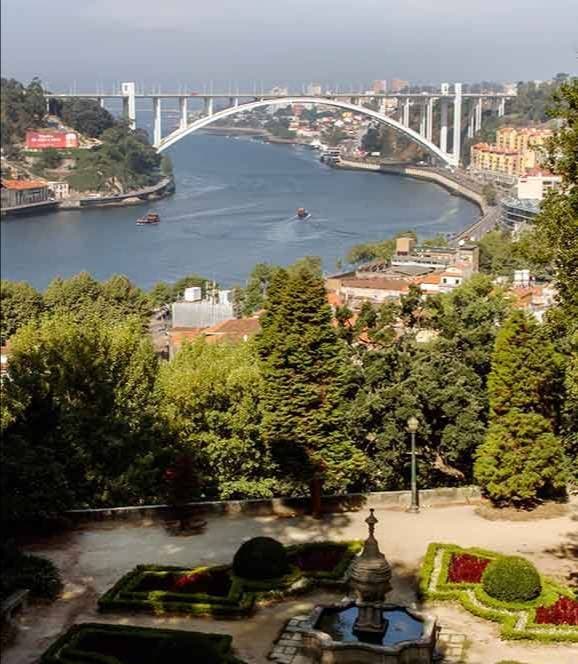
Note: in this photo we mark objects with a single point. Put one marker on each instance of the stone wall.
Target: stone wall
(289, 506)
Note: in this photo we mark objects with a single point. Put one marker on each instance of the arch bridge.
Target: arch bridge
(394, 112)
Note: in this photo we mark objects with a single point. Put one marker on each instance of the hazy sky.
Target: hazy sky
(172, 42)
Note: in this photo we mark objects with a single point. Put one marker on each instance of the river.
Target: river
(234, 207)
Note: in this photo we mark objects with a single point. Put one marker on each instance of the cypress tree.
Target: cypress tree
(521, 460)
(304, 373)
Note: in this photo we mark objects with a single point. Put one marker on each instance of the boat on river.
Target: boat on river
(303, 214)
(150, 219)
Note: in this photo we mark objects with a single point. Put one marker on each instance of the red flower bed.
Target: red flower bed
(564, 612)
(319, 559)
(465, 568)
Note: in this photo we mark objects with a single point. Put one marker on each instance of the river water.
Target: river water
(234, 207)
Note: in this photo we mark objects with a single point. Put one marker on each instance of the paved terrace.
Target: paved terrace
(93, 557)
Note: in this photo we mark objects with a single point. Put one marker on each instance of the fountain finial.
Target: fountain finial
(371, 521)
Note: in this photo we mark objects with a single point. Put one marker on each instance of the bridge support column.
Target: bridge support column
(502, 108)
(478, 118)
(422, 119)
(471, 121)
(157, 131)
(208, 106)
(457, 145)
(444, 126)
(129, 103)
(429, 119)
(183, 106)
(406, 113)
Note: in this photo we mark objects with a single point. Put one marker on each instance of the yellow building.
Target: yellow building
(528, 141)
(486, 157)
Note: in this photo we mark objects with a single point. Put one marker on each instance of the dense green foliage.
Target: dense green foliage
(383, 249)
(85, 115)
(19, 571)
(79, 423)
(261, 558)
(521, 459)
(125, 160)
(209, 398)
(303, 397)
(511, 579)
(21, 108)
(19, 304)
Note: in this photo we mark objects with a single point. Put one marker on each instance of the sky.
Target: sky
(253, 43)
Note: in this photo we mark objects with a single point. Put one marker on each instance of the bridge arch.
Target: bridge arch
(179, 134)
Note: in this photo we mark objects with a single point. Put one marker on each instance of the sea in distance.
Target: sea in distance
(234, 206)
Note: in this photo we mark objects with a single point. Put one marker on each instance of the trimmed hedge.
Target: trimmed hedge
(489, 608)
(511, 579)
(93, 643)
(136, 590)
(261, 558)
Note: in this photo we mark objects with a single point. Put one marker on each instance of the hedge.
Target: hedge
(87, 644)
(492, 609)
(242, 595)
(20, 570)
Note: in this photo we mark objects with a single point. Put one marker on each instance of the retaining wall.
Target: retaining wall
(288, 506)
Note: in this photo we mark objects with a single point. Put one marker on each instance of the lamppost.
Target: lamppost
(412, 425)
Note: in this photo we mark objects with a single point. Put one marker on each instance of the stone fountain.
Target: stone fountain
(367, 630)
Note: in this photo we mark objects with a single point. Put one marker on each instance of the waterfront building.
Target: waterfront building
(314, 90)
(517, 151)
(516, 213)
(535, 184)
(486, 157)
(379, 87)
(23, 192)
(59, 190)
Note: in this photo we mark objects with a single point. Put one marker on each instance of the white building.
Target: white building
(536, 186)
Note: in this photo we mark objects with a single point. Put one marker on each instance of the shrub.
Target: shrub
(261, 558)
(37, 574)
(511, 579)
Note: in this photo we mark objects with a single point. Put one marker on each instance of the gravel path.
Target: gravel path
(93, 558)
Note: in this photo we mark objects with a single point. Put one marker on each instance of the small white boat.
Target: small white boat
(303, 214)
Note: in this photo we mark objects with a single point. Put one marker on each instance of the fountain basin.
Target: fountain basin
(409, 637)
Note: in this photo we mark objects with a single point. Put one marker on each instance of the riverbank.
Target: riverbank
(253, 131)
(162, 189)
(453, 182)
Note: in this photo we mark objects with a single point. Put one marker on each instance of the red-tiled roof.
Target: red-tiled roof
(378, 284)
(24, 184)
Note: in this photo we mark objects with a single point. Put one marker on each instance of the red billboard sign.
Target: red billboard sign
(41, 140)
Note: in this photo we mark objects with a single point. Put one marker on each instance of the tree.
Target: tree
(48, 159)
(522, 460)
(209, 399)
(556, 223)
(469, 317)
(80, 430)
(19, 304)
(86, 116)
(489, 194)
(303, 396)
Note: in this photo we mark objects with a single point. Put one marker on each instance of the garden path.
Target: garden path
(93, 557)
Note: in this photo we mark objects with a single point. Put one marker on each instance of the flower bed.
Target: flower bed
(90, 643)
(548, 617)
(465, 568)
(217, 591)
(563, 612)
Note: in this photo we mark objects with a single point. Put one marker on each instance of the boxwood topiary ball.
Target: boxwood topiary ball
(261, 558)
(511, 579)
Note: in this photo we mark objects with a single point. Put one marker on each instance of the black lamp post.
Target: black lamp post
(412, 425)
